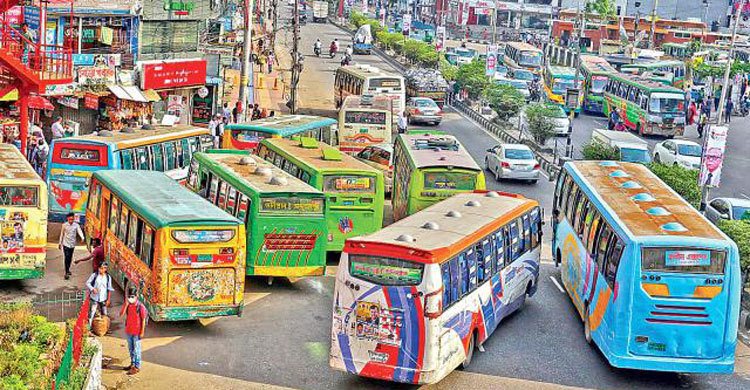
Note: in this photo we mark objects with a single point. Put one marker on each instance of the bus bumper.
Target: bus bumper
(384, 371)
(656, 129)
(185, 313)
(21, 273)
(694, 366)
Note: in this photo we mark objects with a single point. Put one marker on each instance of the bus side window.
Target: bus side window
(515, 244)
(242, 207)
(171, 156)
(581, 221)
(206, 142)
(499, 251)
(593, 222)
(126, 159)
(114, 215)
(203, 183)
(179, 156)
(231, 201)
(147, 247)
(484, 259)
(570, 203)
(603, 245)
(306, 177)
(222, 195)
(471, 262)
(536, 227)
(122, 231)
(158, 155)
(142, 162)
(526, 234)
(193, 144)
(445, 272)
(192, 176)
(213, 189)
(558, 188)
(185, 146)
(133, 232)
(613, 263)
(464, 270)
(93, 203)
(455, 279)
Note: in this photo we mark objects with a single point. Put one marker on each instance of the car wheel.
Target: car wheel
(657, 158)
(497, 174)
(487, 164)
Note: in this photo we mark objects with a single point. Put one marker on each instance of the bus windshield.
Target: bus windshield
(523, 74)
(683, 260)
(365, 117)
(19, 196)
(561, 85)
(530, 58)
(291, 205)
(385, 271)
(450, 180)
(348, 183)
(666, 103)
(248, 135)
(598, 83)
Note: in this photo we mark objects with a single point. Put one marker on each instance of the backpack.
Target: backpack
(93, 282)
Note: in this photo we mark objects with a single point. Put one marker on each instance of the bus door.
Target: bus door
(378, 319)
(680, 304)
(69, 175)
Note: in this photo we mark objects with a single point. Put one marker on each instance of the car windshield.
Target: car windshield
(530, 58)
(741, 213)
(690, 150)
(501, 69)
(666, 103)
(634, 155)
(524, 75)
(518, 154)
(598, 83)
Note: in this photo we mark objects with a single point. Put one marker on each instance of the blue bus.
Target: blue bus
(656, 284)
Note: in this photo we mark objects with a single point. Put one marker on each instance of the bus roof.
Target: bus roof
(596, 65)
(650, 208)
(312, 156)
(557, 71)
(651, 85)
(362, 70)
(284, 125)
(445, 228)
(377, 102)
(424, 151)
(522, 46)
(654, 64)
(125, 140)
(13, 165)
(254, 172)
(165, 203)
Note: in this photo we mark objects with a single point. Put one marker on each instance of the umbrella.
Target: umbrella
(39, 103)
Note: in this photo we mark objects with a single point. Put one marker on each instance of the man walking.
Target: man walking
(70, 229)
(100, 289)
(135, 325)
(728, 113)
(58, 131)
(403, 123)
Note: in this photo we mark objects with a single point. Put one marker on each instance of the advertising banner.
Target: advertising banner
(712, 160)
(173, 74)
(491, 62)
(440, 39)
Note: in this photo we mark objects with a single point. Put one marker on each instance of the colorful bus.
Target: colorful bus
(656, 284)
(667, 72)
(557, 81)
(429, 167)
(412, 301)
(354, 190)
(23, 217)
(247, 136)
(284, 217)
(646, 106)
(521, 55)
(368, 80)
(365, 121)
(595, 71)
(73, 160)
(185, 256)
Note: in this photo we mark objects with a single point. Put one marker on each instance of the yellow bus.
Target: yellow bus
(369, 80)
(23, 217)
(185, 256)
(364, 121)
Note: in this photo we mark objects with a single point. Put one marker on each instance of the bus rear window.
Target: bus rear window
(364, 117)
(248, 136)
(88, 155)
(291, 205)
(19, 196)
(385, 83)
(347, 183)
(683, 260)
(449, 180)
(385, 271)
(202, 236)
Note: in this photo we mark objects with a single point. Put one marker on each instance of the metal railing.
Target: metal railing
(46, 62)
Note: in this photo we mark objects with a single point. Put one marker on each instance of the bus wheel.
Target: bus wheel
(470, 351)
(586, 324)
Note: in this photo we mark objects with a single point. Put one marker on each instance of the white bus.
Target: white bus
(369, 80)
(363, 121)
(413, 300)
(521, 55)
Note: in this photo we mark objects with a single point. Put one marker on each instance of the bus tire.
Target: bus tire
(587, 324)
(470, 350)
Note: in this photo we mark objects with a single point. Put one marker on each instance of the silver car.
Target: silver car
(728, 209)
(423, 110)
(512, 161)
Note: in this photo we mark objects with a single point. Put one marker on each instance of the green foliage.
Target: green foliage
(504, 99)
(45, 333)
(76, 380)
(602, 7)
(683, 181)
(695, 45)
(599, 151)
(472, 78)
(540, 122)
(739, 232)
(359, 19)
(12, 382)
(23, 362)
(448, 71)
(389, 40)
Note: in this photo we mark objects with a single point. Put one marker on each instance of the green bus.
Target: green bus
(666, 72)
(284, 218)
(595, 71)
(646, 106)
(354, 191)
(246, 136)
(430, 167)
(557, 81)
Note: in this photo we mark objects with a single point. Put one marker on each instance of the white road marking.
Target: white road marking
(744, 196)
(559, 287)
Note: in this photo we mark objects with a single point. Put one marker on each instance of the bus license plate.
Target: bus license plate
(205, 258)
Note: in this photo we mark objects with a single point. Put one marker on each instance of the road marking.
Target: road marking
(744, 196)
(464, 379)
(559, 287)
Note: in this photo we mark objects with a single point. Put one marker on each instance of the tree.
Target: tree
(504, 99)
(599, 151)
(683, 181)
(448, 71)
(605, 8)
(739, 232)
(540, 123)
(472, 78)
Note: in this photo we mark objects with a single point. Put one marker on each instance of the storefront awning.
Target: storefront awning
(11, 96)
(127, 93)
(151, 95)
(39, 103)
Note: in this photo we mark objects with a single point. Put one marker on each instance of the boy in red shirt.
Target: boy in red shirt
(97, 255)
(135, 324)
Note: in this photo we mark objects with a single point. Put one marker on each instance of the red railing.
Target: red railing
(48, 63)
(8, 4)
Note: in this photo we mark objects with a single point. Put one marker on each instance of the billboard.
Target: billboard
(712, 160)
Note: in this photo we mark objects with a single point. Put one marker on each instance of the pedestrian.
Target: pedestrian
(702, 124)
(272, 114)
(256, 112)
(692, 111)
(28, 42)
(403, 123)
(58, 131)
(135, 325)
(271, 60)
(264, 113)
(238, 108)
(40, 154)
(96, 256)
(213, 128)
(613, 119)
(728, 114)
(69, 231)
(262, 61)
(226, 113)
(234, 114)
(100, 289)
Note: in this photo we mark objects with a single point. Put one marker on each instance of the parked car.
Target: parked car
(520, 86)
(630, 147)
(686, 154)
(380, 157)
(423, 110)
(728, 209)
(512, 161)
(561, 119)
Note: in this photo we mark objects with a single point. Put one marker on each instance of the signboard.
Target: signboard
(687, 258)
(13, 16)
(109, 60)
(291, 205)
(68, 101)
(713, 156)
(571, 98)
(61, 89)
(94, 75)
(91, 101)
(173, 74)
(440, 39)
(406, 24)
(403, 275)
(31, 16)
(202, 107)
(491, 62)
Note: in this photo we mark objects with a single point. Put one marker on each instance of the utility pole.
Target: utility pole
(652, 41)
(247, 66)
(494, 25)
(275, 27)
(296, 65)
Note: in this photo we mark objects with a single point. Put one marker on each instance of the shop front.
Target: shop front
(177, 83)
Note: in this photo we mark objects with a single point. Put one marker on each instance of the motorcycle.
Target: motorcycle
(346, 60)
(316, 49)
(332, 52)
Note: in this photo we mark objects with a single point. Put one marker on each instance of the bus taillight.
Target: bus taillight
(433, 304)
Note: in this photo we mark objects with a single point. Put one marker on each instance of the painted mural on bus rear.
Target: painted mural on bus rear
(413, 300)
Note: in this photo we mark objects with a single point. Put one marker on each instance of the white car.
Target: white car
(520, 85)
(559, 117)
(686, 154)
(512, 161)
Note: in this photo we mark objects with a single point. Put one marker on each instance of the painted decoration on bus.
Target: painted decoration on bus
(349, 184)
(687, 258)
(202, 236)
(346, 225)
(191, 287)
(376, 323)
(291, 205)
(68, 189)
(449, 180)
(12, 226)
(386, 273)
